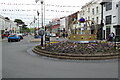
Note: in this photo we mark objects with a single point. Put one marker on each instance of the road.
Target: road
(19, 62)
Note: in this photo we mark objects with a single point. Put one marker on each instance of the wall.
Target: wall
(119, 13)
(85, 12)
(115, 16)
(7, 24)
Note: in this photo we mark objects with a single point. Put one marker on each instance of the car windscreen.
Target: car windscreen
(12, 35)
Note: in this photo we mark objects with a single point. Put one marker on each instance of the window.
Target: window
(109, 19)
(97, 10)
(107, 31)
(117, 31)
(83, 12)
(88, 10)
(97, 20)
(93, 19)
(93, 11)
(88, 18)
(108, 6)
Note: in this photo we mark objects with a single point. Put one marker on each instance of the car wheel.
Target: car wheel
(8, 40)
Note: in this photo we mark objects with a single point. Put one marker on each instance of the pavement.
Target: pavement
(17, 62)
(2, 39)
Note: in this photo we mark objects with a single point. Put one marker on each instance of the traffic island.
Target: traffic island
(78, 51)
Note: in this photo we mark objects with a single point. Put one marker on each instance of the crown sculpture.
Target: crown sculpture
(83, 31)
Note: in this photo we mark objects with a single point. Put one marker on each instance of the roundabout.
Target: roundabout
(82, 44)
(79, 51)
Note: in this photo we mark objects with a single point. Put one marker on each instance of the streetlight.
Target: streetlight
(38, 18)
(42, 32)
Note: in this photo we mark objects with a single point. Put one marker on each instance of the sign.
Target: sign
(47, 38)
(41, 32)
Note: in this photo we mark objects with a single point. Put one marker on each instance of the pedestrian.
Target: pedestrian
(2, 36)
(63, 35)
(66, 35)
(111, 37)
(57, 37)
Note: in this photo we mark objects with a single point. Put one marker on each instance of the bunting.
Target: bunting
(52, 5)
(28, 10)
(24, 15)
(36, 1)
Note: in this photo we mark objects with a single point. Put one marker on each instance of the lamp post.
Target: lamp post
(42, 21)
(38, 18)
(41, 32)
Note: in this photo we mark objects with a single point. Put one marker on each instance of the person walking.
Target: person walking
(63, 35)
(2, 36)
(66, 35)
(57, 36)
(111, 37)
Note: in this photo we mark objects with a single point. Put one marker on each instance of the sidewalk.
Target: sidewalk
(3, 39)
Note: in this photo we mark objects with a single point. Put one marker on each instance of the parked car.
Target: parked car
(13, 38)
(52, 35)
(36, 36)
(20, 35)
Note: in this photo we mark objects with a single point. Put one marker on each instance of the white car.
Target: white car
(21, 36)
(52, 35)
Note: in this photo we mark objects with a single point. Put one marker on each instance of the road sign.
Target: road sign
(41, 32)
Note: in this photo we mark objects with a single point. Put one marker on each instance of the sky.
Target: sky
(52, 9)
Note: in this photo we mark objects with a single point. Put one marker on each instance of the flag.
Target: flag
(30, 23)
(36, 1)
(38, 13)
(34, 19)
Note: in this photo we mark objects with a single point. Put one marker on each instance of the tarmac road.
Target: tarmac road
(18, 62)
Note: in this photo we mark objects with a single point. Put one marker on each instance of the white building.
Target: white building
(62, 23)
(7, 25)
(91, 11)
(111, 17)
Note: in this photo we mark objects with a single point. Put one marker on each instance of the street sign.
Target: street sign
(41, 32)
(47, 38)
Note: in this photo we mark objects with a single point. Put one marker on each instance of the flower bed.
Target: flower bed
(79, 51)
(79, 48)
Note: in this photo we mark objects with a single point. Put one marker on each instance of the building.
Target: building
(63, 25)
(54, 27)
(92, 11)
(70, 19)
(111, 17)
(7, 25)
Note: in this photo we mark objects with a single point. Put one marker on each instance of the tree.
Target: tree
(7, 18)
(26, 29)
(19, 21)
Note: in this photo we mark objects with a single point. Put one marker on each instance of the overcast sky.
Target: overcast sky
(28, 16)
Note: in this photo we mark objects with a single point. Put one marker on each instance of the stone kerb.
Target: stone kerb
(100, 56)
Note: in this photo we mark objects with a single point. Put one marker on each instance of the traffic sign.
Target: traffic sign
(41, 32)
